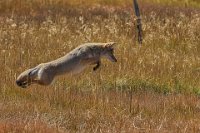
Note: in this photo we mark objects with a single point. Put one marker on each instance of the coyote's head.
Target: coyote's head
(108, 51)
(27, 77)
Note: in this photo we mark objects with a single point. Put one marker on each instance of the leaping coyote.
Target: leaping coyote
(72, 63)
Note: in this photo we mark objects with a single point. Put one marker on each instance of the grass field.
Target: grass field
(153, 88)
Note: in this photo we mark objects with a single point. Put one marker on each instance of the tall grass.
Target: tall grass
(26, 6)
(152, 88)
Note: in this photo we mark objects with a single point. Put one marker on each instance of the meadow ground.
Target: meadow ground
(153, 88)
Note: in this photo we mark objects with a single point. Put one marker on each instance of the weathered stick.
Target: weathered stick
(138, 21)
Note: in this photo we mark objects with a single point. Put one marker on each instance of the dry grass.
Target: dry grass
(152, 88)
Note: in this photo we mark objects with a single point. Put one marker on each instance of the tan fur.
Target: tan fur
(72, 63)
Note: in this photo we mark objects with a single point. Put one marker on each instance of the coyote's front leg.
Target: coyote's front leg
(98, 64)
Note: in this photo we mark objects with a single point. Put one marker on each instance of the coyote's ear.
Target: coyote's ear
(110, 45)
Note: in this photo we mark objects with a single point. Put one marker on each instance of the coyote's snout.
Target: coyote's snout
(72, 63)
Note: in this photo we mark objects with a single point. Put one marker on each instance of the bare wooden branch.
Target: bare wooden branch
(138, 21)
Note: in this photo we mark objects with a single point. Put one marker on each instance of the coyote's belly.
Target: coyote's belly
(77, 69)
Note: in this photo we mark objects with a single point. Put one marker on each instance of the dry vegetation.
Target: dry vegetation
(153, 88)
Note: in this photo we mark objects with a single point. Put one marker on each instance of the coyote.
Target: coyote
(72, 63)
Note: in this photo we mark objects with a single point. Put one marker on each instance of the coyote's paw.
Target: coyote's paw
(97, 66)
